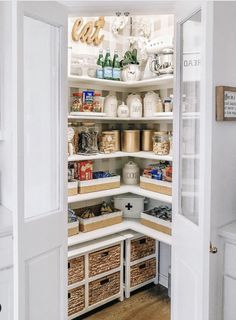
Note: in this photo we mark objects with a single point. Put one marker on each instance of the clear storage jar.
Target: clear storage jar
(161, 143)
(77, 104)
(88, 139)
(108, 142)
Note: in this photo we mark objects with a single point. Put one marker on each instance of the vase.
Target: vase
(131, 72)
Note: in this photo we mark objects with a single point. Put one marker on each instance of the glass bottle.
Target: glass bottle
(107, 66)
(116, 71)
(100, 64)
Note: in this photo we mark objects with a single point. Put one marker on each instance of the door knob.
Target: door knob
(213, 249)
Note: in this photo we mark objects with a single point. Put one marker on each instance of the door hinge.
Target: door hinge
(213, 249)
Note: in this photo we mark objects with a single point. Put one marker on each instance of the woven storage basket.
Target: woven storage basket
(76, 300)
(99, 184)
(104, 288)
(162, 187)
(142, 247)
(142, 272)
(104, 260)
(75, 270)
(156, 223)
(97, 222)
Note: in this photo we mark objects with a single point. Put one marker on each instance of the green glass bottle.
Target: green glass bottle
(108, 66)
(100, 64)
(116, 67)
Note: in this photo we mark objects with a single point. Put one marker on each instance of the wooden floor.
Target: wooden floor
(151, 303)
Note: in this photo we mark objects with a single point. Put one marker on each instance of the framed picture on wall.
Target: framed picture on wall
(225, 103)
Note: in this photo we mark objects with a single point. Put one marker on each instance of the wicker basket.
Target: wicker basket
(75, 270)
(94, 185)
(97, 222)
(142, 247)
(72, 188)
(156, 223)
(104, 260)
(76, 300)
(142, 272)
(104, 288)
(73, 228)
(162, 187)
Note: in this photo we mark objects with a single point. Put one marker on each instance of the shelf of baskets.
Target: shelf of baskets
(95, 274)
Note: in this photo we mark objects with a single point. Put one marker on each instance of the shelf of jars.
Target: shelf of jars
(135, 189)
(120, 154)
(157, 83)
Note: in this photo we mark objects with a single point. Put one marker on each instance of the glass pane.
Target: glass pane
(190, 119)
(41, 117)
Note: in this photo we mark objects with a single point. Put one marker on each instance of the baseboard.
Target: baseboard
(163, 280)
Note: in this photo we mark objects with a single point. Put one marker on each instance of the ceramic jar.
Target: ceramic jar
(130, 98)
(150, 104)
(123, 111)
(131, 72)
(136, 108)
(110, 105)
(131, 174)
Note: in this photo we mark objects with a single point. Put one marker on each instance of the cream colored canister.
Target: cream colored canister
(147, 143)
(130, 140)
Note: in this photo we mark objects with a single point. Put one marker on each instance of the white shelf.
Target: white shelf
(120, 154)
(142, 85)
(121, 190)
(126, 224)
(164, 117)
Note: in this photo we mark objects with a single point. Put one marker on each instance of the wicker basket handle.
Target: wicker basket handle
(68, 265)
(105, 254)
(104, 281)
(142, 266)
(142, 241)
(69, 295)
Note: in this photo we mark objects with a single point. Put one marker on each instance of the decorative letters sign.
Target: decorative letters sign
(89, 33)
(225, 103)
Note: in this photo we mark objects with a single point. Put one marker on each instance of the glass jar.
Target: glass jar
(98, 102)
(77, 104)
(108, 142)
(88, 139)
(161, 143)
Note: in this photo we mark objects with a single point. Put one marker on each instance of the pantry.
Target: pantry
(112, 135)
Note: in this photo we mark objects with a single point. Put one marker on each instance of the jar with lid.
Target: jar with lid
(98, 102)
(108, 142)
(130, 98)
(88, 139)
(110, 106)
(150, 103)
(123, 111)
(136, 108)
(161, 143)
(130, 173)
(159, 105)
(167, 105)
(77, 104)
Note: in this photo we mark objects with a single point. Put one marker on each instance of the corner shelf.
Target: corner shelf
(120, 154)
(156, 83)
(163, 118)
(123, 189)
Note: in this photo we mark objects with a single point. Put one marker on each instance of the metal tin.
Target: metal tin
(117, 139)
(131, 140)
(147, 143)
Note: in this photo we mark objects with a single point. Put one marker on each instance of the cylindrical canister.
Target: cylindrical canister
(147, 143)
(131, 140)
(117, 139)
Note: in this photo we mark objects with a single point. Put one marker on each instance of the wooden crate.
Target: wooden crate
(156, 223)
(99, 184)
(104, 288)
(159, 186)
(72, 188)
(76, 270)
(142, 272)
(104, 260)
(76, 300)
(73, 228)
(142, 247)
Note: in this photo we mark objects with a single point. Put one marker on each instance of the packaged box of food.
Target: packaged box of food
(88, 97)
(86, 170)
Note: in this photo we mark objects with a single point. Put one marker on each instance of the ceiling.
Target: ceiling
(109, 7)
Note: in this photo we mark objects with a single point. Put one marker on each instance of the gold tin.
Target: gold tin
(147, 143)
(117, 139)
(130, 140)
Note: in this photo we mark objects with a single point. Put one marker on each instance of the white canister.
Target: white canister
(131, 97)
(131, 173)
(123, 111)
(136, 108)
(110, 105)
(150, 103)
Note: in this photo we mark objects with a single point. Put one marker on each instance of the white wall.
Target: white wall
(223, 209)
(5, 104)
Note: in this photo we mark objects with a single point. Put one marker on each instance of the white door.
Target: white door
(192, 127)
(40, 234)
